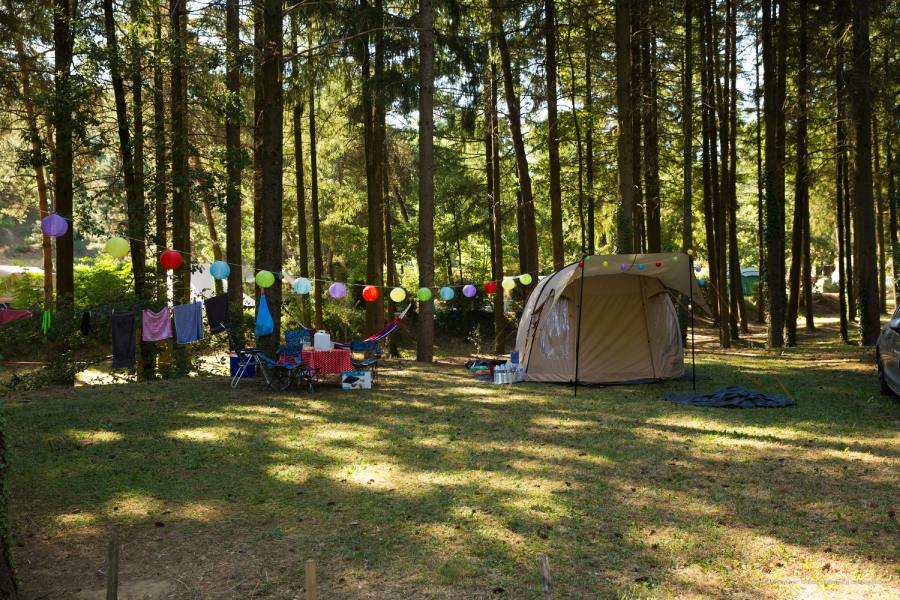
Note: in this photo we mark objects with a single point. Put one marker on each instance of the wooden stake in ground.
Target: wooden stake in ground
(546, 580)
(310, 579)
(112, 568)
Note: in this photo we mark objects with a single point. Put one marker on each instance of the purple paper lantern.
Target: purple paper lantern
(54, 225)
(337, 290)
(469, 290)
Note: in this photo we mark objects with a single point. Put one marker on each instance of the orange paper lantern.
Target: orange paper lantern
(370, 293)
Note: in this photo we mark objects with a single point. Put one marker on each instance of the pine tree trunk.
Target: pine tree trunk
(774, 97)
(425, 250)
(589, 136)
(37, 163)
(739, 303)
(651, 136)
(579, 147)
(318, 270)
(879, 214)
(637, 89)
(760, 195)
(374, 109)
(687, 130)
(860, 92)
(181, 233)
(134, 203)
(233, 168)
(708, 161)
(556, 218)
(801, 190)
(625, 234)
(892, 167)
(529, 227)
(257, 13)
(159, 153)
(64, 14)
(272, 162)
(299, 100)
(500, 321)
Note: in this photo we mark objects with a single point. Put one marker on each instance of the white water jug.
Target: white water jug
(322, 340)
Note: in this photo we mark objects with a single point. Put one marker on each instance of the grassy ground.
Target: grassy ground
(434, 486)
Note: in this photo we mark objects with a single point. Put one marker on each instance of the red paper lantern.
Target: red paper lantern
(170, 259)
(490, 287)
(370, 293)
(658, 264)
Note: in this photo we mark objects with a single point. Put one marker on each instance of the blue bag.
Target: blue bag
(264, 323)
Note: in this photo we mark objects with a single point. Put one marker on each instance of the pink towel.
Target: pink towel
(8, 315)
(157, 326)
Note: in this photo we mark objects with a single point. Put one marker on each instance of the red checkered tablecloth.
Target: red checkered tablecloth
(325, 362)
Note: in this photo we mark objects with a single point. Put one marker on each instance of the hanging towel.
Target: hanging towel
(122, 325)
(156, 326)
(188, 322)
(46, 319)
(217, 313)
(8, 315)
(264, 323)
(85, 322)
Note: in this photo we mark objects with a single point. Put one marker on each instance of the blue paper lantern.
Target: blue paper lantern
(640, 266)
(220, 270)
(302, 285)
(446, 294)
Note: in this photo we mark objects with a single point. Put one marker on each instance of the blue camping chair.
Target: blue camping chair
(371, 355)
(288, 368)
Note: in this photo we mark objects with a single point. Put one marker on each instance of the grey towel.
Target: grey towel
(730, 397)
(188, 322)
(122, 325)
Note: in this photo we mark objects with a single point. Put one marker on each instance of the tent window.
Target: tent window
(555, 333)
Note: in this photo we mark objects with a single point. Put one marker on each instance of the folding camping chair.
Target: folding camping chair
(289, 368)
(249, 358)
(371, 355)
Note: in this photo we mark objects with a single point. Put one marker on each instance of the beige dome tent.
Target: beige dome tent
(615, 324)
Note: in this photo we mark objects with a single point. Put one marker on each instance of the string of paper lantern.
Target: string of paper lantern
(54, 225)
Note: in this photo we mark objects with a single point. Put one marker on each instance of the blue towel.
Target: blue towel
(188, 322)
(264, 323)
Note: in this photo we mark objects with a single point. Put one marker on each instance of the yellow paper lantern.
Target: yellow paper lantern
(398, 294)
(117, 247)
(508, 283)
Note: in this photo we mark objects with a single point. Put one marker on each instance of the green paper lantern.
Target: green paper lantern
(525, 279)
(117, 247)
(398, 294)
(424, 294)
(265, 279)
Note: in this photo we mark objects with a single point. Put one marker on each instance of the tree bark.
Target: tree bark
(234, 164)
(272, 162)
(774, 97)
(556, 217)
(687, 130)
(892, 214)
(625, 238)
(879, 215)
(801, 184)
(318, 269)
(64, 14)
(589, 135)
(579, 147)
(37, 162)
(708, 161)
(181, 231)
(739, 304)
(651, 136)
(860, 92)
(760, 195)
(529, 226)
(159, 153)
(492, 170)
(299, 100)
(637, 89)
(425, 250)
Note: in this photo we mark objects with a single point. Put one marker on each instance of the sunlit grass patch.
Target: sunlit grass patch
(433, 486)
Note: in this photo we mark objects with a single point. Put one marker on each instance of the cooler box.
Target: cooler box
(249, 371)
(356, 380)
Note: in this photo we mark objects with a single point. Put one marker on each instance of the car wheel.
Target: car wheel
(883, 386)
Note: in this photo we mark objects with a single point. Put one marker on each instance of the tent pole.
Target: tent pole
(691, 289)
(578, 328)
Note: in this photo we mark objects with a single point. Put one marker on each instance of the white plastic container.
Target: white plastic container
(322, 340)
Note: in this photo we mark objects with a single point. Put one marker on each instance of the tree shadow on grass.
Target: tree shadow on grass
(430, 487)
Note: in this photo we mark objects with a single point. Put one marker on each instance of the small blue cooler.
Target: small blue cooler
(249, 371)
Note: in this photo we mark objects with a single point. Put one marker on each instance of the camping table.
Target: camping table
(325, 362)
